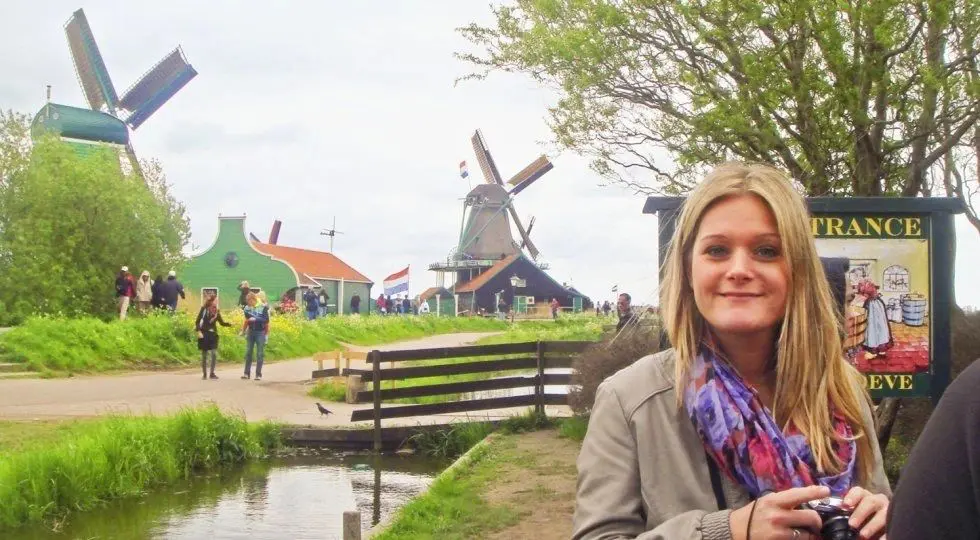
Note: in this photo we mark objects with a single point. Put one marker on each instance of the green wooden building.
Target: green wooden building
(282, 272)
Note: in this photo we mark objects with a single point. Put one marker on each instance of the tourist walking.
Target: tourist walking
(171, 290)
(207, 323)
(312, 304)
(156, 289)
(624, 310)
(125, 291)
(256, 332)
(144, 291)
(355, 303)
(423, 307)
(555, 306)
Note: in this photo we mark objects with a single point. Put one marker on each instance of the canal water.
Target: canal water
(300, 496)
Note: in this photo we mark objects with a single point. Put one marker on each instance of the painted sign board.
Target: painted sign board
(897, 256)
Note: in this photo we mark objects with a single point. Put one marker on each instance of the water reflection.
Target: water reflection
(296, 497)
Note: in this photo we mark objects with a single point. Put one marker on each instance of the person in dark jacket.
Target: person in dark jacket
(125, 291)
(157, 301)
(170, 290)
(355, 303)
(938, 495)
(207, 323)
(312, 300)
(625, 312)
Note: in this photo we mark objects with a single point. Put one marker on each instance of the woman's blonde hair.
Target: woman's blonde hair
(811, 370)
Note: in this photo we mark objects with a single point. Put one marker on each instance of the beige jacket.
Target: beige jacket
(642, 470)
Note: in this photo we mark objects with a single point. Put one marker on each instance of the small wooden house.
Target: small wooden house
(532, 295)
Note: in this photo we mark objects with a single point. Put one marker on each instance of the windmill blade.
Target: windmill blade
(134, 161)
(530, 225)
(533, 171)
(525, 239)
(156, 87)
(489, 168)
(89, 66)
(530, 174)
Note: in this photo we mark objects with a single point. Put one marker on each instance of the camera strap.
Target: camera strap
(716, 482)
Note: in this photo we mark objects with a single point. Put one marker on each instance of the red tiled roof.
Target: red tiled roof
(311, 264)
(483, 278)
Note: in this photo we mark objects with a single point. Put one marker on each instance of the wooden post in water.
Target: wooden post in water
(539, 387)
(376, 385)
(352, 525)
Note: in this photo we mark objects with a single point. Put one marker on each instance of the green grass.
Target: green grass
(68, 469)
(573, 428)
(16, 435)
(58, 346)
(329, 390)
(452, 508)
(572, 327)
(461, 436)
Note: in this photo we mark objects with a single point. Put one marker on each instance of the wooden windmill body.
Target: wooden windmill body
(488, 211)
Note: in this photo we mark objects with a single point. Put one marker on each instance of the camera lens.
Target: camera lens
(837, 528)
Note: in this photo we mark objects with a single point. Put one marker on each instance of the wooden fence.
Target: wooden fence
(540, 356)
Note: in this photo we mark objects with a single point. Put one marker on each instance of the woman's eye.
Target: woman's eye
(716, 251)
(768, 252)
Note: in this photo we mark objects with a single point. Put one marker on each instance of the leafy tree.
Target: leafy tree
(862, 98)
(852, 98)
(69, 220)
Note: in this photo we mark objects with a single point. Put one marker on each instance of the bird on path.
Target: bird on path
(323, 410)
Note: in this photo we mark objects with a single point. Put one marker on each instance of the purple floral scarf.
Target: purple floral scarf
(742, 436)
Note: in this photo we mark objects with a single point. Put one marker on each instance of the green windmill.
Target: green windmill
(109, 118)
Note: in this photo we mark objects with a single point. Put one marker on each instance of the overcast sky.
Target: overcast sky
(303, 111)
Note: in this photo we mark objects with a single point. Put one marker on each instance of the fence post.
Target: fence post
(539, 385)
(352, 525)
(376, 386)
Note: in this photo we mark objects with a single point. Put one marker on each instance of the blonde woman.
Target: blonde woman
(754, 411)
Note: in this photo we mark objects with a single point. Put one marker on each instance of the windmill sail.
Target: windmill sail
(532, 172)
(157, 87)
(89, 66)
(489, 168)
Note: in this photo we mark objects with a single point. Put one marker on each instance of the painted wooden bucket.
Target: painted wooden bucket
(914, 308)
(894, 310)
(855, 326)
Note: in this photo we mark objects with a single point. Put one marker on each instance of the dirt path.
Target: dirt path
(281, 395)
(541, 484)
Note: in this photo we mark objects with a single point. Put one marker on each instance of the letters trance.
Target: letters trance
(862, 226)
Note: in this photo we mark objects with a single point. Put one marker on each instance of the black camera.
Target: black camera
(834, 517)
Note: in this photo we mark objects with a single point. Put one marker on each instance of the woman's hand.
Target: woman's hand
(777, 516)
(200, 335)
(869, 514)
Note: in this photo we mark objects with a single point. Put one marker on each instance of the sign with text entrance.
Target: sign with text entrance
(896, 260)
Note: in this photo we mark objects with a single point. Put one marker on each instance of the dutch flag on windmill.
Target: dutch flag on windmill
(464, 171)
(397, 282)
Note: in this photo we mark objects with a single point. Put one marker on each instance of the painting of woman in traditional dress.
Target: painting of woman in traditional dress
(878, 337)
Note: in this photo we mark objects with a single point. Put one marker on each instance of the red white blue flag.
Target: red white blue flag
(397, 282)
(464, 171)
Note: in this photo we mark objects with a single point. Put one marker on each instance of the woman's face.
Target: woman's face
(739, 274)
(250, 302)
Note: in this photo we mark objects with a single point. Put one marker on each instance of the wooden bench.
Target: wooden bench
(343, 355)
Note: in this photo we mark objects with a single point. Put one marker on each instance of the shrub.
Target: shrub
(603, 359)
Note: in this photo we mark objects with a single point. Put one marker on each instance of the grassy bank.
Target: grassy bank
(511, 482)
(57, 345)
(99, 460)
